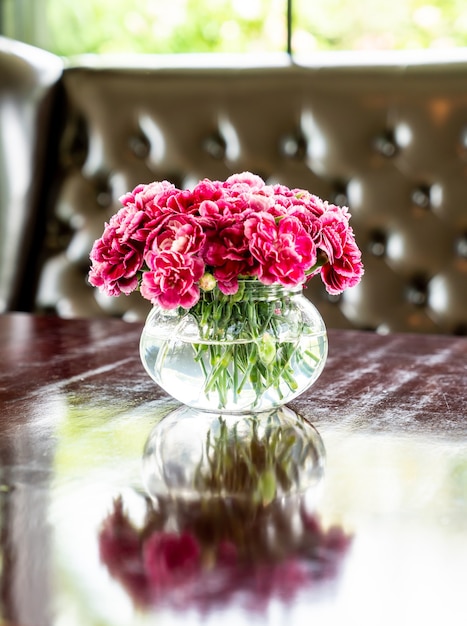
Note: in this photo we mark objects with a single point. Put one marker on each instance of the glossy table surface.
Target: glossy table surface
(390, 519)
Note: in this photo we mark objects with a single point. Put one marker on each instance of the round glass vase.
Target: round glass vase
(248, 352)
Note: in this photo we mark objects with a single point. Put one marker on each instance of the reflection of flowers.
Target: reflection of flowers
(170, 558)
(205, 552)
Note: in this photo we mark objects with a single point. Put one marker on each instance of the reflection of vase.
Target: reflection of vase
(258, 457)
(252, 351)
(229, 519)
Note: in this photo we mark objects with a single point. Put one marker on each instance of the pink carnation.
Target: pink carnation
(313, 204)
(178, 232)
(244, 181)
(207, 190)
(116, 262)
(182, 202)
(171, 282)
(151, 196)
(284, 250)
(344, 272)
(334, 232)
(228, 253)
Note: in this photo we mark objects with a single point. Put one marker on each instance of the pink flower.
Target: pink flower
(188, 201)
(284, 250)
(171, 281)
(334, 231)
(177, 232)
(227, 206)
(313, 204)
(290, 198)
(148, 197)
(207, 190)
(244, 181)
(151, 198)
(170, 559)
(182, 202)
(130, 224)
(346, 271)
(116, 262)
(227, 276)
(228, 253)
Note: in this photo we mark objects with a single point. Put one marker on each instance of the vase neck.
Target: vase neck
(256, 290)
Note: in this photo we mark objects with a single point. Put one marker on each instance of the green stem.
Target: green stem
(249, 349)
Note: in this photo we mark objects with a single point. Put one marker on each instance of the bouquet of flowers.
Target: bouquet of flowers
(175, 245)
(204, 252)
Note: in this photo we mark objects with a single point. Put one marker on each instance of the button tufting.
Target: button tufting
(421, 197)
(216, 146)
(139, 146)
(340, 195)
(385, 144)
(377, 244)
(463, 139)
(103, 193)
(461, 246)
(293, 146)
(417, 291)
(75, 151)
(104, 199)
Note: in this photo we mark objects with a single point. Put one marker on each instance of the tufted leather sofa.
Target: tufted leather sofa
(387, 136)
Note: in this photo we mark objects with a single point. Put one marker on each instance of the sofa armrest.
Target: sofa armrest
(28, 77)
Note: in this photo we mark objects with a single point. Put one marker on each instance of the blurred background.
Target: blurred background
(70, 27)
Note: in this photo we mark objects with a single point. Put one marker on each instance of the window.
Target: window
(378, 24)
(69, 27)
(25, 20)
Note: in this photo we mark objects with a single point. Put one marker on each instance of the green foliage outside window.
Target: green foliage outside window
(379, 24)
(71, 27)
(158, 26)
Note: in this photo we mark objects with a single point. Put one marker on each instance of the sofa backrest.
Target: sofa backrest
(386, 137)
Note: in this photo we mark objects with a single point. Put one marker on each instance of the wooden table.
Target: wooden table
(77, 407)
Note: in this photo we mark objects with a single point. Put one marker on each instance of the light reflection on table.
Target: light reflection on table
(77, 409)
(379, 500)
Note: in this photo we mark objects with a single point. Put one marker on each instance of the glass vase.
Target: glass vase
(249, 352)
